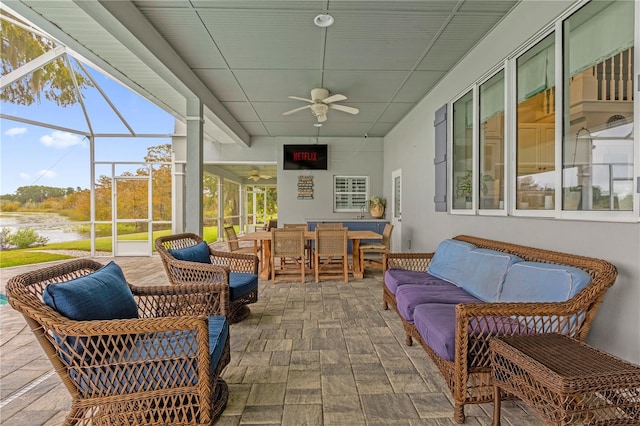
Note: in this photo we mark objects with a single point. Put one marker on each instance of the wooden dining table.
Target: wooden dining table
(265, 237)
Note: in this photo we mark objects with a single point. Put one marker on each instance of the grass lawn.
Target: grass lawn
(29, 256)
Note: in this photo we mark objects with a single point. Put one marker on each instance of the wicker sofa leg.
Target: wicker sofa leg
(458, 412)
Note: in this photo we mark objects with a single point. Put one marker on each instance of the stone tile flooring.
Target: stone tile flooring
(309, 354)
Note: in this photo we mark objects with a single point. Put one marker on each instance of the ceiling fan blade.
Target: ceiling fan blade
(300, 99)
(322, 118)
(296, 110)
(334, 98)
(265, 177)
(343, 108)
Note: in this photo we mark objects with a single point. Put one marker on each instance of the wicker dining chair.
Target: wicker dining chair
(188, 259)
(127, 354)
(234, 246)
(287, 254)
(307, 244)
(378, 248)
(329, 225)
(330, 254)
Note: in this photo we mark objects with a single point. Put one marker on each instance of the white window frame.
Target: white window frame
(336, 192)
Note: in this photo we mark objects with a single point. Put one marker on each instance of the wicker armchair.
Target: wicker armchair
(230, 269)
(161, 367)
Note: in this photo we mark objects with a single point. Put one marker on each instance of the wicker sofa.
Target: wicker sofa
(454, 300)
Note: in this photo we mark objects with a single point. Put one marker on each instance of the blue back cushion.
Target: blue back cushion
(101, 295)
(449, 259)
(485, 271)
(542, 282)
(195, 253)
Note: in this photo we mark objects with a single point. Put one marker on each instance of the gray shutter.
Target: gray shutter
(440, 160)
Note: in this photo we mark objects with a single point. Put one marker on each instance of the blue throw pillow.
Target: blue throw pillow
(195, 253)
(101, 295)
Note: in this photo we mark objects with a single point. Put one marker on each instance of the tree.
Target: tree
(54, 80)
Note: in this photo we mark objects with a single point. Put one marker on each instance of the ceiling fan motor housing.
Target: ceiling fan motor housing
(317, 95)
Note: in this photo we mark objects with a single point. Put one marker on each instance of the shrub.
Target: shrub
(24, 238)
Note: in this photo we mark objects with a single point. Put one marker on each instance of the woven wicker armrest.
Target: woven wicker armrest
(235, 262)
(406, 261)
(477, 323)
(186, 299)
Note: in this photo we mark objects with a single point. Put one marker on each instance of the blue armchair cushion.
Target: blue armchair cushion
(100, 295)
(448, 262)
(196, 253)
(241, 283)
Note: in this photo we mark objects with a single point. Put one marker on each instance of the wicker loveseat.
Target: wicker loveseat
(188, 259)
(128, 355)
(454, 300)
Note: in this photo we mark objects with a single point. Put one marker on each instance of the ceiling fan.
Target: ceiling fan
(256, 176)
(321, 102)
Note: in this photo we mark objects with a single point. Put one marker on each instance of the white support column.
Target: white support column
(193, 214)
(177, 195)
(242, 206)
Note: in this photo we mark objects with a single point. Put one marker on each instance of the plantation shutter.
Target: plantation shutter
(350, 193)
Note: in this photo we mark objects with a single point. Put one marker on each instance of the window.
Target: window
(491, 138)
(536, 124)
(574, 150)
(463, 152)
(598, 153)
(350, 193)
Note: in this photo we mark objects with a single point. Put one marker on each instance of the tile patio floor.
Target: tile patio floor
(309, 354)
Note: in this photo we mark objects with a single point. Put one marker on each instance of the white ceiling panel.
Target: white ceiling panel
(276, 85)
(186, 34)
(223, 84)
(257, 39)
(395, 111)
(417, 86)
(243, 111)
(364, 86)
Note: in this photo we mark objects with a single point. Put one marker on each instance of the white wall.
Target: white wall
(410, 147)
(347, 156)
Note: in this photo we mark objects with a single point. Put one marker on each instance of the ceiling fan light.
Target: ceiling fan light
(323, 20)
(317, 124)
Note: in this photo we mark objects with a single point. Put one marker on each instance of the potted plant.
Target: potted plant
(376, 206)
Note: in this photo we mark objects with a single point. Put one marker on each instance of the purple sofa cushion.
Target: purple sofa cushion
(411, 295)
(397, 277)
(436, 323)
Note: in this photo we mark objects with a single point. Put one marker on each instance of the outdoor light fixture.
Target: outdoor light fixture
(324, 20)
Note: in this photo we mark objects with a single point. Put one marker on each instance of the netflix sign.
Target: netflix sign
(305, 157)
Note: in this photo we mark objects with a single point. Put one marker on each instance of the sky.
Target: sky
(34, 155)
